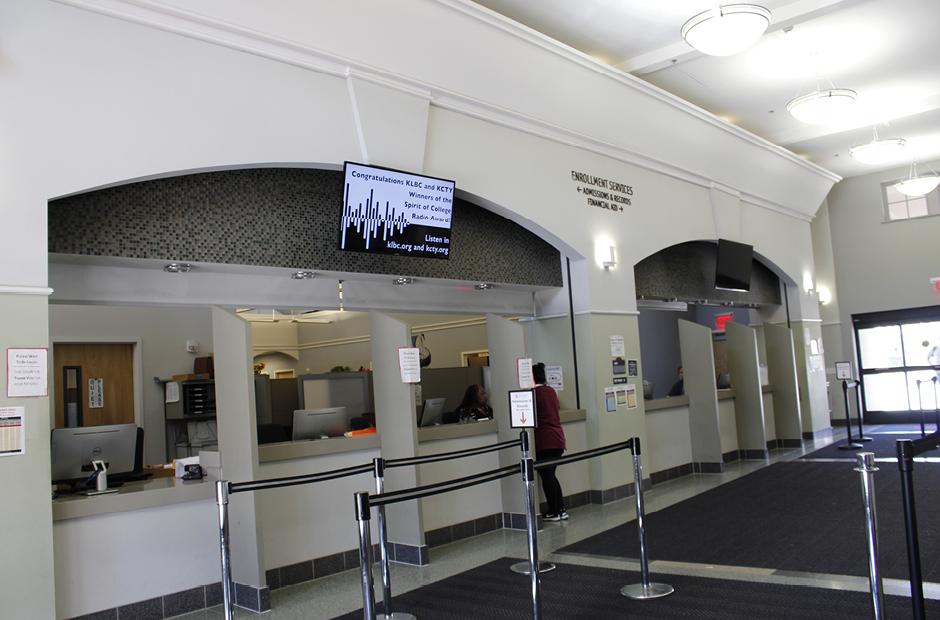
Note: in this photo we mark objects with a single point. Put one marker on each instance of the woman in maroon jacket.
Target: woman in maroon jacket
(549, 443)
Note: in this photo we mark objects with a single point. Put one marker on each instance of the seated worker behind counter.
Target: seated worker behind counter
(473, 406)
(678, 388)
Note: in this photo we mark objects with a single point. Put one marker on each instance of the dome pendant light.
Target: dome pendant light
(918, 185)
(879, 152)
(821, 106)
(726, 30)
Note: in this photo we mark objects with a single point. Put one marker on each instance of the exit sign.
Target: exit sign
(935, 284)
(722, 320)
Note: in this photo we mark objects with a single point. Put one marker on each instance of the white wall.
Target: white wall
(470, 503)
(727, 425)
(878, 265)
(311, 521)
(669, 439)
(162, 332)
(109, 560)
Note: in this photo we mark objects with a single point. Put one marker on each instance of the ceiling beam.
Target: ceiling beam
(784, 16)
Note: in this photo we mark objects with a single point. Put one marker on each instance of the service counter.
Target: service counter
(99, 543)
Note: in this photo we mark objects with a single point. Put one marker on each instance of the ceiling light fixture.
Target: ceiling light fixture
(879, 152)
(303, 275)
(483, 286)
(726, 30)
(178, 268)
(822, 106)
(916, 185)
(404, 280)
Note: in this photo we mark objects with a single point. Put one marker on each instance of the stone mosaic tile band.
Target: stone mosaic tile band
(280, 217)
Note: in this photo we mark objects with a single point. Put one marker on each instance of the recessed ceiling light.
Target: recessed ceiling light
(177, 268)
(403, 280)
(483, 286)
(726, 30)
(303, 275)
(822, 106)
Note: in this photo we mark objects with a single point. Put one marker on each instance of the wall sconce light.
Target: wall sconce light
(807, 282)
(825, 295)
(611, 261)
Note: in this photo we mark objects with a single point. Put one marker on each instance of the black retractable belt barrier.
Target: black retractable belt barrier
(224, 488)
(906, 451)
(861, 416)
(849, 443)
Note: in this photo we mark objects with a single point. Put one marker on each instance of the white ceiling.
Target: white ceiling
(886, 50)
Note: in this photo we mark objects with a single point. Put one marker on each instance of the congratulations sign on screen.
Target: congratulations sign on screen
(394, 212)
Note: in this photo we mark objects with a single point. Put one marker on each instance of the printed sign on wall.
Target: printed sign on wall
(554, 378)
(12, 431)
(409, 361)
(27, 373)
(96, 393)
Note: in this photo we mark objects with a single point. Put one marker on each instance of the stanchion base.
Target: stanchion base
(863, 439)
(523, 567)
(851, 446)
(396, 615)
(639, 592)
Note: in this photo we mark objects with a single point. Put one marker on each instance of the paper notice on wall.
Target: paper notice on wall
(815, 363)
(27, 371)
(554, 378)
(12, 431)
(172, 392)
(610, 399)
(630, 389)
(633, 368)
(617, 347)
(844, 371)
(96, 393)
(814, 346)
(621, 396)
(409, 362)
(524, 373)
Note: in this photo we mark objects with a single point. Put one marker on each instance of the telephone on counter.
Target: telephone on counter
(192, 472)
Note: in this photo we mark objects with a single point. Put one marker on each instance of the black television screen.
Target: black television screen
(733, 271)
(394, 212)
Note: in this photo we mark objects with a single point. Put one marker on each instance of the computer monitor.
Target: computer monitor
(433, 412)
(73, 450)
(319, 423)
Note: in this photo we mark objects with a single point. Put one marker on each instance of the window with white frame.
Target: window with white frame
(901, 207)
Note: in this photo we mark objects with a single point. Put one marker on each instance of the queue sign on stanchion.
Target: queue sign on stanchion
(522, 408)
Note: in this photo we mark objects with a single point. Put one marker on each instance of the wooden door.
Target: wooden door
(113, 364)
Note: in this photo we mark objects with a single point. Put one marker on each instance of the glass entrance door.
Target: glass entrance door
(899, 358)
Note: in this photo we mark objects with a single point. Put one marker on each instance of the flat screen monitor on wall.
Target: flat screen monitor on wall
(393, 212)
(733, 270)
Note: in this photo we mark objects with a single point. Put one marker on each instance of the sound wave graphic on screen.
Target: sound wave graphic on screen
(367, 218)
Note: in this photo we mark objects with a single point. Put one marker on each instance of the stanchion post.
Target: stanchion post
(861, 421)
(221, 501)
(936, 400)
(849, 443)
(523, 567)
(644, 589)
(528, 479)
(378, 470)
(905, 452)
(866, 467)
(364, 517)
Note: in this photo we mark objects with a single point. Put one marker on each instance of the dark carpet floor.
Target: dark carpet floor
(800, 516)
(882, 444)
(575, 592)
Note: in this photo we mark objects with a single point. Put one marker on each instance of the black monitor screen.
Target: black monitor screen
(394, 212)
(733, 271)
